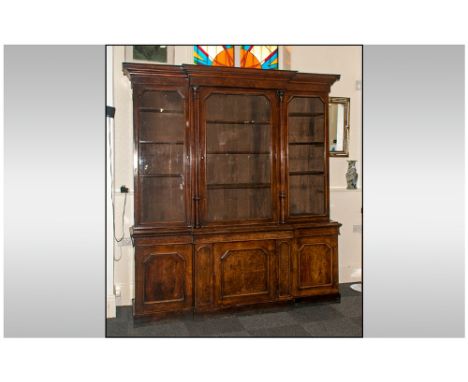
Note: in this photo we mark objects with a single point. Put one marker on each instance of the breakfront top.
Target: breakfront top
(219, 147)
(229, 76)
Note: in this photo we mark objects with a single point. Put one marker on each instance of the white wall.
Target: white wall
(124, 267)
(345, 205)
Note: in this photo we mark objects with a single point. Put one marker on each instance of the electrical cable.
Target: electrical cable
(118, 240)
(123, 221)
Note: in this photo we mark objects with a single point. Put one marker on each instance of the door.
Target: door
(238, 169)
(315, 265)
(245, 272)
(307, 161)
(163, 278)
(162, 182)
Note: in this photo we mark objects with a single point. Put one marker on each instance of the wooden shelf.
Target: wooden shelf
(161, 175)
(221, 122)
(238, 185)
(238, 152)
(293, 173)
(305, 114)
(161, 143)
(160, 110)
(307, 143)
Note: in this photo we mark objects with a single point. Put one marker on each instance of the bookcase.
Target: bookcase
(231, 188)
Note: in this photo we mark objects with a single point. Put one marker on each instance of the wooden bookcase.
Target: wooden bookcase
(231, 188)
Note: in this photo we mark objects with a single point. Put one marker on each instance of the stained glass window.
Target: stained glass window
(259, 56)
(214, 55)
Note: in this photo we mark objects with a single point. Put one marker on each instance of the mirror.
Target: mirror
(338, 126)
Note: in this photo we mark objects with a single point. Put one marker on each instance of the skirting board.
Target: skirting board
(350, 274)
(127, 294)
(111, 306)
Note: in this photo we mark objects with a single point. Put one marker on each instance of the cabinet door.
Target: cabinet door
(245, 272)
(238, 171)
(163, 278)
(307, 161)
(315, 265)
(162, 161)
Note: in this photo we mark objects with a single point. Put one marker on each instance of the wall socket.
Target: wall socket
(126, 241)
(357, 228)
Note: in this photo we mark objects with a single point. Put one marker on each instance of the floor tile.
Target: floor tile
(175, 329)
(265, 310)
(117, 329)
(312, 312)
(316, 329)
(123, 314)
(343, 327)
(267, 320)
(242, 333)
(148, 321)
(324, 319)
(349, 306)
(280, 331)
(345, 290)
(357, 321)
(213, 326)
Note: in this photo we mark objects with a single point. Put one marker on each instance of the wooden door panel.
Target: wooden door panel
(204, 276)
(284, 272)
(163, 278)
(245, 272)
(314, 265)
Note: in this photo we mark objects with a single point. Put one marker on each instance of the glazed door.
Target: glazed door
(162, 184)
(306, 164)
(238, 170)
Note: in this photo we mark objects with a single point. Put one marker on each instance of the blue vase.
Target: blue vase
(351, 175)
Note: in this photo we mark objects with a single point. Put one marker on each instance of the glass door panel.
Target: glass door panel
(238, 108)
(224, 137)
(171, 126)
(238, 169)
(238, 157)
(306, 156)
(306, 194)
(162, 199)
(233, 204)
(161, 148)
(160, 158)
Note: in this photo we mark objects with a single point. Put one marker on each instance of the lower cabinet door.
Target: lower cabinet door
(245, 272)
(315, 266)
(163, 278)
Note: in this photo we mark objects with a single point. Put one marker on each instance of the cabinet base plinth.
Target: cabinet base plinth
(266, 307)
(336, 297)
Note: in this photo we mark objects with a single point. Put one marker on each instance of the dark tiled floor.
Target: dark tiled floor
(343, 319)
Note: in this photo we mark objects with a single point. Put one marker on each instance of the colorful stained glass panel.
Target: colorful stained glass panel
(213, 55)
(259, 56)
